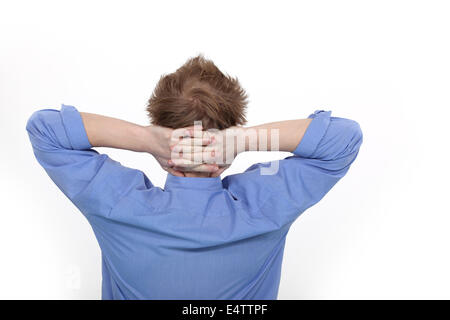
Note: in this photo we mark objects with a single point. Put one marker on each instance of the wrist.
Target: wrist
(146, 137)
(247, 139)
(156, 140)
(237, 136)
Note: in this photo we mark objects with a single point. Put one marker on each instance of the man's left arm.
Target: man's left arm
(92, 181)
(103, 131)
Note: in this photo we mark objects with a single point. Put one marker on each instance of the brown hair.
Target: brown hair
(198, 91)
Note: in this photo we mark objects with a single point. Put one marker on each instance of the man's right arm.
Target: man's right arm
(324, 147)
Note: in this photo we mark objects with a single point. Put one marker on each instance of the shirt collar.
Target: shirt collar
(193, 183)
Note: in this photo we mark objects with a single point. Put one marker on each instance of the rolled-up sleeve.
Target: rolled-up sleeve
(330, 138)
(76, 133)
(321, 159)
(51, 129)
(315, 133)
(92, 181)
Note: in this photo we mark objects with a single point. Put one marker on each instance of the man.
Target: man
(200, 237)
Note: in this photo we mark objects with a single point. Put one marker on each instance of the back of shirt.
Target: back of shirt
(198, 245)
(198, 238)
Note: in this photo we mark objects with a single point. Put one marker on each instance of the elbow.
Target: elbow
(33, 123)
(38, 120)
(355, 134)
(353, 138)
(348, 140)
(40, 128)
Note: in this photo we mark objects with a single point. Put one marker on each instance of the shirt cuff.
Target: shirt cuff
(314, 134)
(74, 127)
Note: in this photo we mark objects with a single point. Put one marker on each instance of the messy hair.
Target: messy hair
(198, 91)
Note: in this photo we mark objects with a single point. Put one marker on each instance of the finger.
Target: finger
(197, 158)
(174, 172)
(197, 153)
(199, 168)
(188, 141)
(209, 157)
(166, 166)
(219, 172)
(183, 163)
(191, 131)
(182, 132)
(186, 152)
(212, 155)
(192, 156)
(214, 149)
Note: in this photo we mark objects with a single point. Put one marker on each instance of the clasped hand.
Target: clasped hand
(193, 150)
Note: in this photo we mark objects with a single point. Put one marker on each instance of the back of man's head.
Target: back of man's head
(198, 91)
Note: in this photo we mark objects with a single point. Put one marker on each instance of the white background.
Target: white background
(382, 232)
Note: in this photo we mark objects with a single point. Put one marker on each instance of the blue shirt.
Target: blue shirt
(198, 238)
